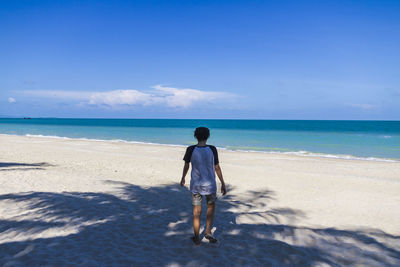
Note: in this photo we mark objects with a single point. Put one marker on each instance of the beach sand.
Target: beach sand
(81, 202)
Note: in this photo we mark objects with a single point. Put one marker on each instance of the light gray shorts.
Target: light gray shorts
(196, 199)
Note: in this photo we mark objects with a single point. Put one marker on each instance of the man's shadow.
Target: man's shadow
(142, 226)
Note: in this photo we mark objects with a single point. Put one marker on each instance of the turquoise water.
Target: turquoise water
(367, 139)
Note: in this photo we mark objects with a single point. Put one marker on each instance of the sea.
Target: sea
(353, 140)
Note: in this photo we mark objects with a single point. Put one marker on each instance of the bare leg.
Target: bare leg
(210, 218)
(196, 222)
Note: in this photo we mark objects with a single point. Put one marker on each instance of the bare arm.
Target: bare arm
(185, 170)
(221, 178)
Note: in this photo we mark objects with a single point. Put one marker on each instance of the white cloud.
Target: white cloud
(185, 97)
(119, 97)
(59, 94)
(11, 100)
(364, 106)
(160, 95)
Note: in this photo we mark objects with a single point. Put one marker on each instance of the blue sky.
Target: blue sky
(200, 59)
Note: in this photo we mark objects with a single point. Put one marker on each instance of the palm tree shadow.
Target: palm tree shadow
(152, 225)
(17, 166)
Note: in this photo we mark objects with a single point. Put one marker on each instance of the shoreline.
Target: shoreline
(295, 153)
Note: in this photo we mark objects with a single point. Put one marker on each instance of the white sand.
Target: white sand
(103, 203)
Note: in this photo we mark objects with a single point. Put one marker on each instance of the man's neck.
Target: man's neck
(202, 143)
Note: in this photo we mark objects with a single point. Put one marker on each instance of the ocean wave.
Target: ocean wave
(100, 140)
(229, 148)
(349, 157)
(49, 136)
(313, 154)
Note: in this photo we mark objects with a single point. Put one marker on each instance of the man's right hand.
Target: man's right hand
(183, 182)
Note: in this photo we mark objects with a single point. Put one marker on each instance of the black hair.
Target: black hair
(202, 133)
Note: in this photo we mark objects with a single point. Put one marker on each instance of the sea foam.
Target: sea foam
(297, 153)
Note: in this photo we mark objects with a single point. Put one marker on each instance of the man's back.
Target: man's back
(203, 159)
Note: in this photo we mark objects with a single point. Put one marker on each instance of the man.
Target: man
(205, 164)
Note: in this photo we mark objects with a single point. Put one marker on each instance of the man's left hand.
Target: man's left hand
(223, 189)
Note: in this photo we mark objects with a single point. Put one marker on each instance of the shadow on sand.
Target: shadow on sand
(140, 226)
(15, 166)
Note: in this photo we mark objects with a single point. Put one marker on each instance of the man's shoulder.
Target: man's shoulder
(212, 147)
(188, 153)
(190, 149)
